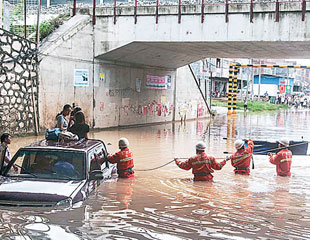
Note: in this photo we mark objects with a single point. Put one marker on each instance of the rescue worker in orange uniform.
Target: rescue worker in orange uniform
(202, 164)
(124, 159)
(241, 159)
(282, 159)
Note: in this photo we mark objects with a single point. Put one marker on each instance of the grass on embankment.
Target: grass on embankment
(253, 106)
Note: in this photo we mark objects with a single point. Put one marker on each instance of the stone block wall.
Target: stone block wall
(18, 84)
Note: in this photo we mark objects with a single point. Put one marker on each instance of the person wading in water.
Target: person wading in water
(124, 159)
(282, 159)
(202, 165)
(241, 159)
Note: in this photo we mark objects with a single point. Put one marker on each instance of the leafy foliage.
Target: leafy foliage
(47, 27)
(253, 106)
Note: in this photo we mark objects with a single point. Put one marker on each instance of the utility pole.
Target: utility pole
(38, 23)
(25, 18)
(210, 90)
(259, 80)
(241, 75)
(1, 7)
(252, 81)
(247, 84)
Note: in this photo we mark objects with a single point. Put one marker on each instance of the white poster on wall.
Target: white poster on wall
(81, 77)
(138, 85)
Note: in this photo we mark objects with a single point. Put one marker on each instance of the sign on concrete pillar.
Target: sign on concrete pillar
(81, 77)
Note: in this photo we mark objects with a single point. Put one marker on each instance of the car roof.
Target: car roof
(81, 145)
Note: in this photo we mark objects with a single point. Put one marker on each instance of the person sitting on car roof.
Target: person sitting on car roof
(124, 159)
(80, 128)
(61, 121)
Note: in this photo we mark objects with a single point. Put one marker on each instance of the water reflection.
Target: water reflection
(167, 204)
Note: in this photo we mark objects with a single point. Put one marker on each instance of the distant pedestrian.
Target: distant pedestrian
(62, 122)
(245, 104)
(305, 103)
(297, 102)
(202, 165)
(80, 128)
(282, 99)
(124, 159)
(283, 159)
(302, 101)
(279, 99)
(5, 141)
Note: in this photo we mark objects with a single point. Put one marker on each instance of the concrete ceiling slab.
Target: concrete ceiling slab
(178, 54)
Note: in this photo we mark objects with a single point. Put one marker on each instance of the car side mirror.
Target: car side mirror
(95, 175)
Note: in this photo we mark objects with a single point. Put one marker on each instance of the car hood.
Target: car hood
(36, 190)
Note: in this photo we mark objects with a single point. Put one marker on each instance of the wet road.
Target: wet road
(167, 204)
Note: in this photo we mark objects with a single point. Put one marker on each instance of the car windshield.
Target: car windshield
(48, 164)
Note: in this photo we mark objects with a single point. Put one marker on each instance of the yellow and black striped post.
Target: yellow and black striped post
(236, 69)
(230, 86)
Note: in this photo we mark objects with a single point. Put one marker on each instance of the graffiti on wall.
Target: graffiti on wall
(153, 108)
(121, 92)
(18, 84)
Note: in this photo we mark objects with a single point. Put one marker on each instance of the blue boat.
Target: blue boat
(265, 147)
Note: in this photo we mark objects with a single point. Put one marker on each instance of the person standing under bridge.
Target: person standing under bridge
(282, 159)
(202, 165)
(124, 159)
(241, 159)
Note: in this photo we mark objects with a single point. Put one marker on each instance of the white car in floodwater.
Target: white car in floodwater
(52, 174)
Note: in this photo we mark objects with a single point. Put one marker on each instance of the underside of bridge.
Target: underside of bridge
(178, 54)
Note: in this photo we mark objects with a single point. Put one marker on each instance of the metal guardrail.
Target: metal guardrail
(202, 4)
(22, 10)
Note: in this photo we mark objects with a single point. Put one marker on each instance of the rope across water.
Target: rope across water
(151, 169)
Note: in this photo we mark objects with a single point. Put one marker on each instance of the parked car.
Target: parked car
(53, 174)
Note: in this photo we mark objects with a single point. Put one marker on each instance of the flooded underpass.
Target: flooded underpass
(166, 204)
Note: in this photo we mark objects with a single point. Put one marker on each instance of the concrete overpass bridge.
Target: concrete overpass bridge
(173, 36)
(128, 44)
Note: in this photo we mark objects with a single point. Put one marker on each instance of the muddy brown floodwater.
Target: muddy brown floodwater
(167, 204)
